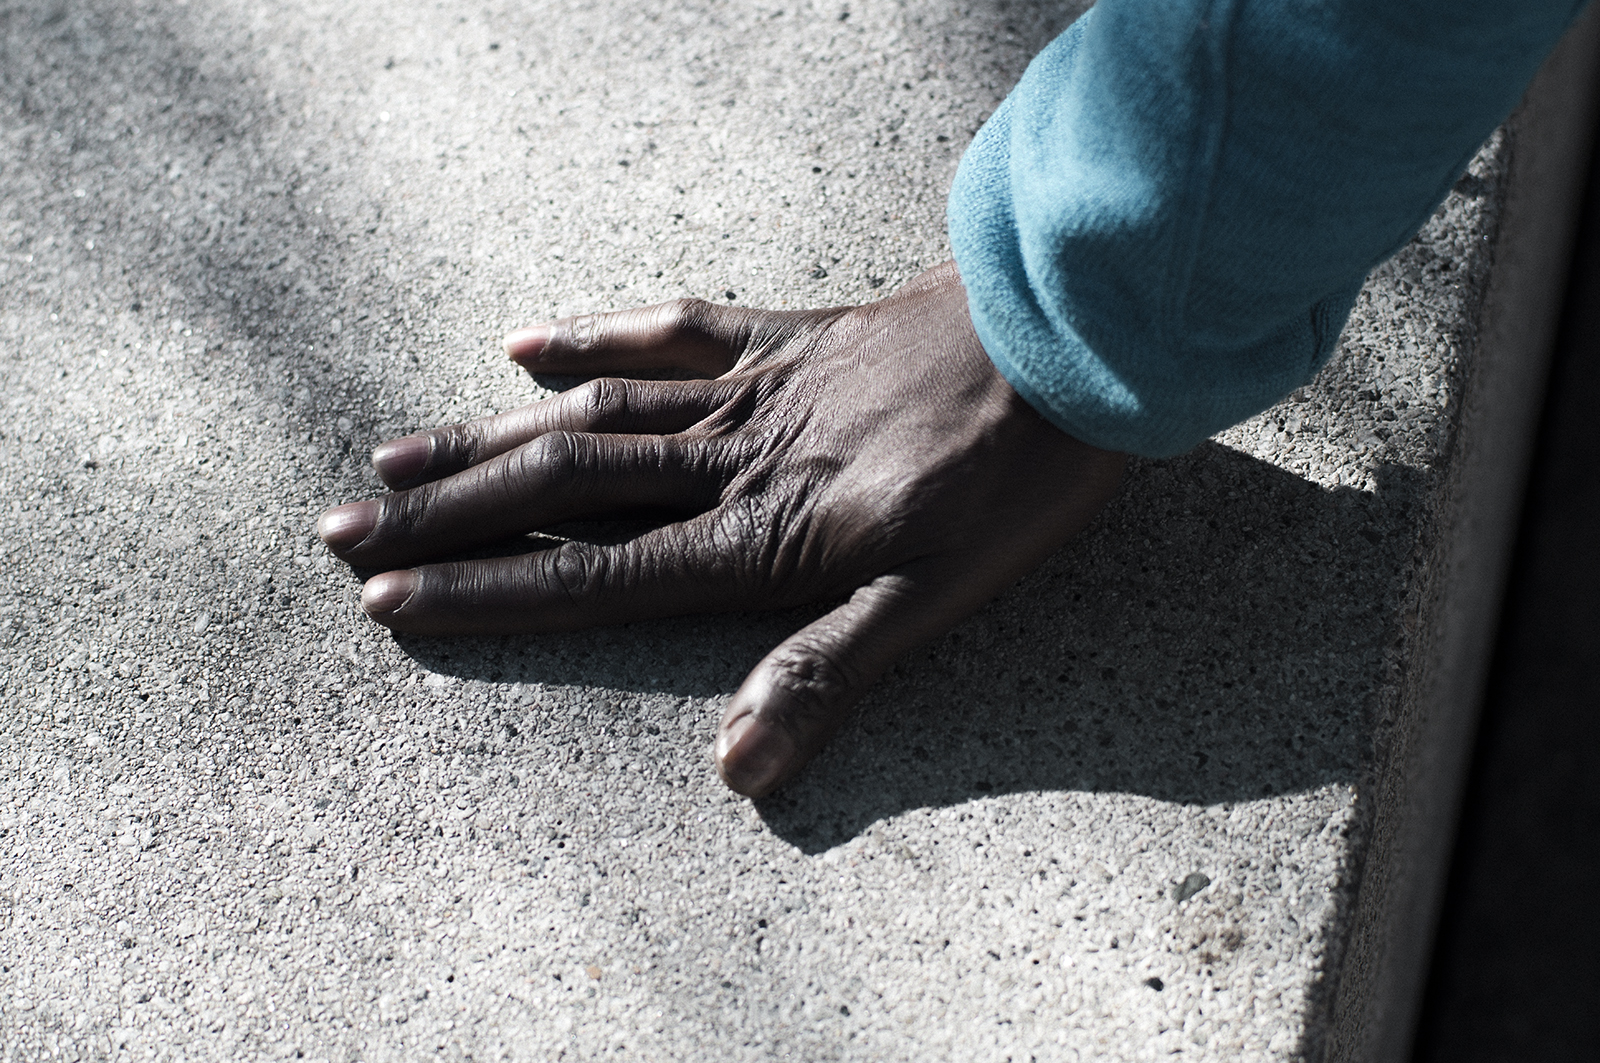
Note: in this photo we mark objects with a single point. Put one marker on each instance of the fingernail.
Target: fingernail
(401, 460)
(387, 592)
(344, 526)
(526, 344)
(752, 756)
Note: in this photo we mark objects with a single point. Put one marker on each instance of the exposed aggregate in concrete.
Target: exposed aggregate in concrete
(241, 244)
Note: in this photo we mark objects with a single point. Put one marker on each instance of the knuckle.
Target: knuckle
(584, 331)
(554, 456)
(404, 512)
(556, 451)
(602, 401)
(577, 573)
(813, 678)
(457, 445)
(684, 315)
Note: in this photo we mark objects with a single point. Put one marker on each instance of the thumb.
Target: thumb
(797, 697)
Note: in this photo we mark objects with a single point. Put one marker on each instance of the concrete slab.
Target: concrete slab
(1123, 814)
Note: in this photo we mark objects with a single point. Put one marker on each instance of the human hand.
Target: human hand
(868, 451)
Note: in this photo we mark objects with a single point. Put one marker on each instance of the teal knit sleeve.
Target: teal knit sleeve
(1163, 227)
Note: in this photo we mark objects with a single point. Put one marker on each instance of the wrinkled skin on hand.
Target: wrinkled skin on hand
(870, 453)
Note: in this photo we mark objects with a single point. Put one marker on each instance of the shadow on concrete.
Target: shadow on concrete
(175, 179)
(1219, 635)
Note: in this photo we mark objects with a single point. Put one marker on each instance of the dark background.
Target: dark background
(1516, 968)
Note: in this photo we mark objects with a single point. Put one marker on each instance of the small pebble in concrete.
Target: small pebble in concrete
(1193, 883)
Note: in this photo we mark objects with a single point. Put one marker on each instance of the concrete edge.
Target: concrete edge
(1420, 776)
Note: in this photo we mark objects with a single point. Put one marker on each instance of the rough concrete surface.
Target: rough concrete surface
(1119, 815)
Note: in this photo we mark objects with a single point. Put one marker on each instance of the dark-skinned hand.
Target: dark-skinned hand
(869, 453)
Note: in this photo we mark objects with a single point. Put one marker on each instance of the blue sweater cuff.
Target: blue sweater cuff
(1164, 226)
